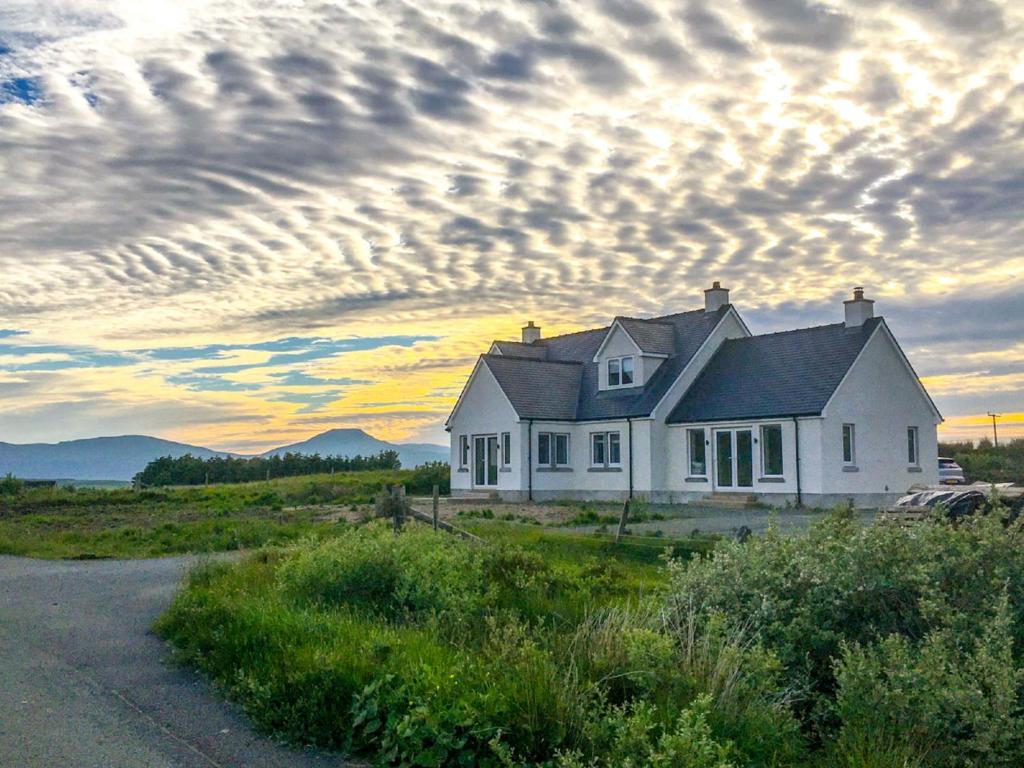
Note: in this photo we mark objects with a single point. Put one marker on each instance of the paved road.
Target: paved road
(84, 685)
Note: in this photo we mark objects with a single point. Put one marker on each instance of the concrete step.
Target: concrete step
(723, 500)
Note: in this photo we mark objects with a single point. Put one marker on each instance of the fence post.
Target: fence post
(622, 522)
(436, 494)
(396, 510)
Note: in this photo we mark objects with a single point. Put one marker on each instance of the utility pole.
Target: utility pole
(995, 434)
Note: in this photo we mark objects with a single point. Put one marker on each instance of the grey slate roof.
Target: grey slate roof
(519, 349)
(650, 335)
(540, 389)
(537, 389)
(793, 373)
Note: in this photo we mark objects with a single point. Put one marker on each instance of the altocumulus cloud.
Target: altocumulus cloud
(224, 169)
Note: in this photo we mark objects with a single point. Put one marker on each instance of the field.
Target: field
(853, 646)
(70, 522)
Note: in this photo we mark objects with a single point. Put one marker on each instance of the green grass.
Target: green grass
(529, 649)
(73, 522)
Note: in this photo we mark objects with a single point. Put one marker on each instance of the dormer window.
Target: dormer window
(620, 371)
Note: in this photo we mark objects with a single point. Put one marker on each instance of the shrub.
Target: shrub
(846, 586)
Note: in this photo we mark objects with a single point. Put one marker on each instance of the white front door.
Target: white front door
(485, 460)
(734, 459)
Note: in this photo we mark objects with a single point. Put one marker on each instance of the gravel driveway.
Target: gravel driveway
(84, 685)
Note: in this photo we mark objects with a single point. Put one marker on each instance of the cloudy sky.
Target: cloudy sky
(241, 223)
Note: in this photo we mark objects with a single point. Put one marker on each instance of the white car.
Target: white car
(951, 473)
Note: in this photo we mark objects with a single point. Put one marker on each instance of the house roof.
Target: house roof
(652, 336)
(542, 388)
(792, 373)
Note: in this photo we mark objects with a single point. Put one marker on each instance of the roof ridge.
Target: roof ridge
(573, 333)
(530, 359)
(651, 320)
(799, 330)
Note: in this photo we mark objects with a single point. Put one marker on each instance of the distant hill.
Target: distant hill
(120, 458)
(356, 442)
(96, 458)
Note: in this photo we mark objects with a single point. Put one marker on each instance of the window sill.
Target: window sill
(771, 479)
(914, 469)
(604, 469)
(505, 469)
(695, 479)
(849, 468)
(463, 469)
(554, 469)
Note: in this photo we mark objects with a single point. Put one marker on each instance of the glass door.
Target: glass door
(723, 459)
(485, 460)
(734, 458)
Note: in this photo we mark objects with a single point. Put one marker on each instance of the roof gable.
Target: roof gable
(792, 373)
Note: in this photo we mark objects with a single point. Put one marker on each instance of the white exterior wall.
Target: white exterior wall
(580, 479)
(680, 484)
(484, 410)
(881, 398)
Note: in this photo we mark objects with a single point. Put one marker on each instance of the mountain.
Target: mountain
(120, 458)
(97, 458)
(355, 442)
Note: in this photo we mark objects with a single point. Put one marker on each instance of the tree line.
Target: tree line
(987, 462)
(192, 470)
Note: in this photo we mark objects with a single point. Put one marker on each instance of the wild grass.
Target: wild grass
(69, 522)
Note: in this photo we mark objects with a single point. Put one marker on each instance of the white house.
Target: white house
(680, 407)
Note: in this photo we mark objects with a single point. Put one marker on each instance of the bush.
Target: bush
(829, 602)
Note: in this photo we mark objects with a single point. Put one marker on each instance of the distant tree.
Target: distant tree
(191, 470)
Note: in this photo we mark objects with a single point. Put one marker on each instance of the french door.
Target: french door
(734, 458)
(485, 460)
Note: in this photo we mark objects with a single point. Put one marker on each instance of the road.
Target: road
(83, 684)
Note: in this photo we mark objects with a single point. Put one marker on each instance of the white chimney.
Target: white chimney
(858, 309)
(531, 333)
(715, 297)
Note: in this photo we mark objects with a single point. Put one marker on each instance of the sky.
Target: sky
(238, 224)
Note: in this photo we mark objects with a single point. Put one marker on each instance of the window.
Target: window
(912, 457)
(605, 449)
(506, 449)
(463, 451)
(552, 449)
(849, 445)
(620, 371)
(697, 448)
(771, 450)
(544, 449)
(614, 449)
(561, 450)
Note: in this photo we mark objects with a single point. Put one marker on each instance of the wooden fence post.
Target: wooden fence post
(622, 522)
(436, 494)
(396, 510)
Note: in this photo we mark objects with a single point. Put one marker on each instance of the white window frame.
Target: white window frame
(849, 462)
(550, 441)
(764, 451)
(505, 447)
(913, 434)
(605, 439)
(463, 451)
(620, 364)
(689, 451)
(568, 448)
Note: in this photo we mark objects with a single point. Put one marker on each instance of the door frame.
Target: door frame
(486, 439)
(734, 465)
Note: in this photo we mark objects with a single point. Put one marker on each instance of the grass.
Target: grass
(424, 649)
(69, 522)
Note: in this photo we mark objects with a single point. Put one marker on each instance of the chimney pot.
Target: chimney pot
(858, 309)
(715, 297)
(531, 333)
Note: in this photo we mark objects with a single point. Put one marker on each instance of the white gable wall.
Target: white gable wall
(881, 398)
(485, 410)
